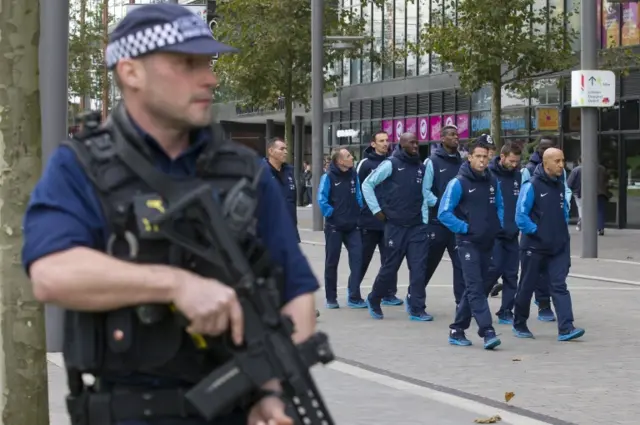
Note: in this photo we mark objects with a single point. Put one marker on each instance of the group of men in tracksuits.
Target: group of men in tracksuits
(476, 209)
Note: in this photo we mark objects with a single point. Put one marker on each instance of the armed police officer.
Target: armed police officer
(91, 246)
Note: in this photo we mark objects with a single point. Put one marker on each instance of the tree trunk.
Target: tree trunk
(85, 68)
(288, 116)
(105, 71)
(496, 114)
(23, 353)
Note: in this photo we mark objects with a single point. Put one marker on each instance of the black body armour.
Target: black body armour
(149, 339)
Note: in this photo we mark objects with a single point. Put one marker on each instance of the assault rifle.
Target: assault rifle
(268, 351)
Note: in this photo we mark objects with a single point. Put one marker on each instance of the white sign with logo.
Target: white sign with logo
(424, 129)
(449, 121)
(593, 89)
(347, 133)
(399, 130)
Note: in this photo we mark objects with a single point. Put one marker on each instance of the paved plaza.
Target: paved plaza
(399, 372)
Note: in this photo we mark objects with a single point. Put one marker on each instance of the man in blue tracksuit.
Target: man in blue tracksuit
(340, 201)
(372, 229)
(283, 174)
(441, 167)
(506, 170)
(472, 208)
(542, 214)
(405, 210)
(542, 295)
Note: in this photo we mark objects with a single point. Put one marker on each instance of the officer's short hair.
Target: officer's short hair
(271, 142)
(336, 153)
(511, 148)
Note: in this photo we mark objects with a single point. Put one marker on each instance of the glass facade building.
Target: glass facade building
(419, 94)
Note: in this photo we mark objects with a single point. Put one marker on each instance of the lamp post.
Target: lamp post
(317, 96)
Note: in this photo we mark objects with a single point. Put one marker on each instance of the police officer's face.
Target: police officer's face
(510, 161)
(178, 88)
(278, 152)
(478, 159)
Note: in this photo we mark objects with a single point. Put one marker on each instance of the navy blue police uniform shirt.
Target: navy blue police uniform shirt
(64, 212)
(286, 181)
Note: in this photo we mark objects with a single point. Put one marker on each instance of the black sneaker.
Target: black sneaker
(457, 337)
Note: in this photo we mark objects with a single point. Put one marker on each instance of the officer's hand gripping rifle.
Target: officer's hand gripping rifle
(268, 352)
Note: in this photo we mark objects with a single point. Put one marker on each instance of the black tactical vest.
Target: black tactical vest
(119, 342)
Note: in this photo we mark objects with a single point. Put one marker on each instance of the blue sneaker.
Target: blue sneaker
(522, 331)
(572, 334)
(491, 340)
(392, 300)
(332, 305)
(356, 303)
(374, 310)
(546, 315)
(457, 337)
(423, 316)
(505, 318)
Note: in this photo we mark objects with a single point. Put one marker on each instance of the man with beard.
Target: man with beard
(441, 167)
(372, 229)
(506, 170)
(405, 211)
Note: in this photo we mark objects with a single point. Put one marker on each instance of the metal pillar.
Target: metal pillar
(298, 154)
(270, 131)
(317, 104)
(589, 135)
(54, 48)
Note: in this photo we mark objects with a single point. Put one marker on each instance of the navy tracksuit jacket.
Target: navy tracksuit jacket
(340, 201)
(542, 215)
(405, 233)
(372, 229)
(472, 208)
(443, 167)
(287, 183)
(506, 249)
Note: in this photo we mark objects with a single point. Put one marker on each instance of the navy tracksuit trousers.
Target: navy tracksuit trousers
(370, 240)
(412, 243)
(504, 263)
(441, 239)
(334, 239)
(555, 268)
(475, 261)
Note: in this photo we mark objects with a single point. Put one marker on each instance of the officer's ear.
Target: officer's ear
(131, 73)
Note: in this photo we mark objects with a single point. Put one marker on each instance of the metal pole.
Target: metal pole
(298, 153)
(317, 104)
(589, 135)
(54, 48)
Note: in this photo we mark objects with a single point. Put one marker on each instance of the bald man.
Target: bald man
(404, 209)
(542, 215)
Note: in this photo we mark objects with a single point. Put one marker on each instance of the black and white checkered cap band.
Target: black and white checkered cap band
(157, 36)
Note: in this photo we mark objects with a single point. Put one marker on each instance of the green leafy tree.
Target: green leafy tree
(500, 44)
(274, 39)
(86, 51)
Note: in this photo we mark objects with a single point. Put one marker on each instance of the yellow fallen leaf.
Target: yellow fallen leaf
(492, 420)
(508, 396)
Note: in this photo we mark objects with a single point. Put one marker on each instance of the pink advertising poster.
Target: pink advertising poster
(398, 129)
(387, 126)
(462, 121)
(448, 120)
(423, 129)
(435, 124)
(410, 126)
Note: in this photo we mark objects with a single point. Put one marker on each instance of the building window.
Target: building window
(574, 22)
(437, 13)
(630, 115)
(480, 123)
(545, 92)
(378, 41)
(366, 64)
(400, 37)
(481, 99)
(388, 41)
(356, 64)
(538, 5)
(609, 118)
(424, 11)
(514, 122)
(412, 36)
